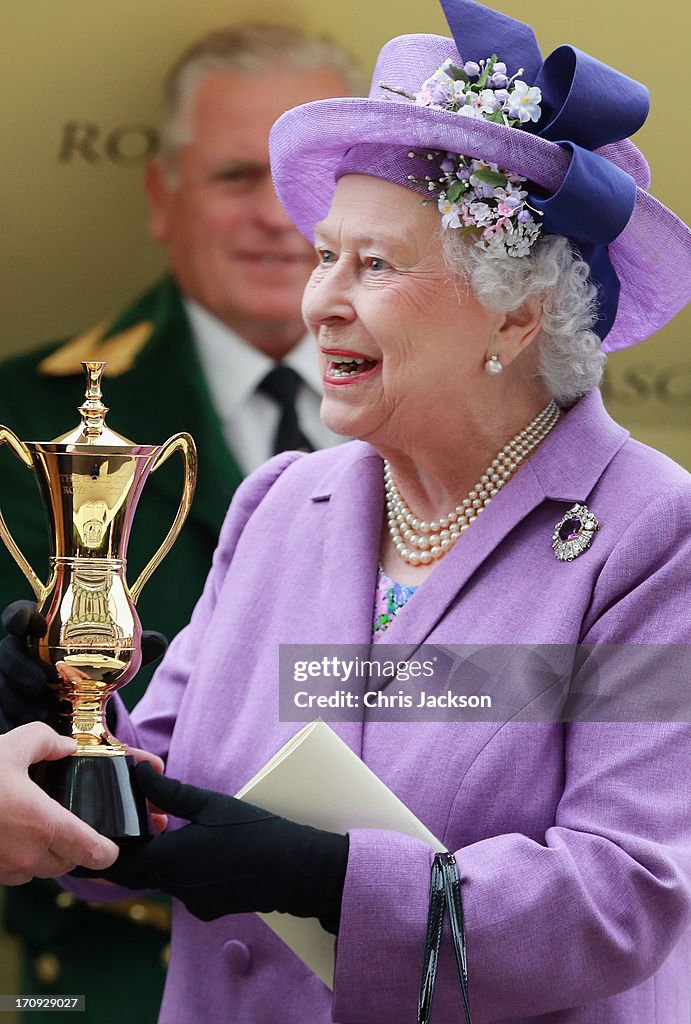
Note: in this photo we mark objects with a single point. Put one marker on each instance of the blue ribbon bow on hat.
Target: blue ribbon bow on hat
(585, 105)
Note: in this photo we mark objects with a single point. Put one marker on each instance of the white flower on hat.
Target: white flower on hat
(524, 102)
(481, 213)
(488, 101)
(450, 213)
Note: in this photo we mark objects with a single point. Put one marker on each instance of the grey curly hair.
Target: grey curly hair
(571, 358)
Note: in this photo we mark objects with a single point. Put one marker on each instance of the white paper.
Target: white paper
(316, 779)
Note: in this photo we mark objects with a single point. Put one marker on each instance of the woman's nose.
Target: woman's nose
(327, 297)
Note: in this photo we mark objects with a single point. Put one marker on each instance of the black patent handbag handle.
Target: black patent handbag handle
(445, 892)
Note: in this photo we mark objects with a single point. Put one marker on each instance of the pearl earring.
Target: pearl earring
(493, 366)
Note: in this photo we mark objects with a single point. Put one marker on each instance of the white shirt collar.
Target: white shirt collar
(233, 368)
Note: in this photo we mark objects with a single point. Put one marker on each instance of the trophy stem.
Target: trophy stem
(95, 782)
(87, 721)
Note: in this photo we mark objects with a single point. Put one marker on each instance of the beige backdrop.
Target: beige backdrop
(79, 83)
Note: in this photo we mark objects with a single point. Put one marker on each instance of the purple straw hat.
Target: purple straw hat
(585, 177)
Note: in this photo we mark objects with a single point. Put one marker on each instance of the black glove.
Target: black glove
(234, 858)
(24, 695)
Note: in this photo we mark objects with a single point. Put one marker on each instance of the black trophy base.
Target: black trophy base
(101, 791)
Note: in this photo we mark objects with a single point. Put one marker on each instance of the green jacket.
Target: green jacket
(154, 388)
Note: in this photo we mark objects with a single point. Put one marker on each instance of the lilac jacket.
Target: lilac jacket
(573, 841)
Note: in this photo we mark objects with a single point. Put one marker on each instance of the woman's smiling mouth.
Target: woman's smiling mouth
(346, 367)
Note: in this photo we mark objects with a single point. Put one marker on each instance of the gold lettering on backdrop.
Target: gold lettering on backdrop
(125, 145)
(646, 383)
(79, 137)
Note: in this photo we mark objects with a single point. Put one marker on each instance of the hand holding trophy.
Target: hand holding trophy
(90, 481)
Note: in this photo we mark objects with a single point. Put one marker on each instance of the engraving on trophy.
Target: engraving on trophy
(92, 530)
(94, 615)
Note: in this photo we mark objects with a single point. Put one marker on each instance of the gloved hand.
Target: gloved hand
(234, 857)
(24, 695)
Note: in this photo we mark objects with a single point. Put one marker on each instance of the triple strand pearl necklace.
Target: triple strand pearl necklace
(419, 542)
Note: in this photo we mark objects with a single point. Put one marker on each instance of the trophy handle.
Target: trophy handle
(22, 453)
(184, 444)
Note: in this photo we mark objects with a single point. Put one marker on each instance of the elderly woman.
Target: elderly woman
(481, 233)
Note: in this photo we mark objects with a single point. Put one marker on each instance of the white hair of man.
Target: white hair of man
(571, 356)
(248, 49)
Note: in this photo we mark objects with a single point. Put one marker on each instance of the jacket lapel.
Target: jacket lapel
(565, 468)
(414, 623)
(353, 501)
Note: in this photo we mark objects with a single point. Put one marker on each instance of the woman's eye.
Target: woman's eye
(326, 256)
(376, 263)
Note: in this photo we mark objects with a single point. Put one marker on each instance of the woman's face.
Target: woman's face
(382, 295)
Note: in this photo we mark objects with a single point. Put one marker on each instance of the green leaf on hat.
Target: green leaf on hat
(486, 71)
(493, 178)
(458, 74)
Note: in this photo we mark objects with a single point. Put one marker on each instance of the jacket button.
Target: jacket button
(47, 968)
(237, 956)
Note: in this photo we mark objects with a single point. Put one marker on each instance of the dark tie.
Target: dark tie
(281, 384)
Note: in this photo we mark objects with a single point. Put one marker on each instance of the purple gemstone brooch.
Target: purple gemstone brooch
(574, 533)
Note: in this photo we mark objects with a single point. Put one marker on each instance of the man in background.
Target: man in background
(216, 348)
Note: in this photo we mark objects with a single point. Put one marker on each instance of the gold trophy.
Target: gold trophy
(90, 481)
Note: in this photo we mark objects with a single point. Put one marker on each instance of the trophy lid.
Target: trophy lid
(93, 430)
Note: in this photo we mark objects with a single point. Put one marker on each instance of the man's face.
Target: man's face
(231, 247)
